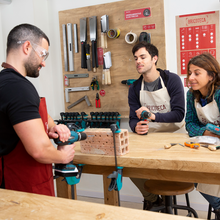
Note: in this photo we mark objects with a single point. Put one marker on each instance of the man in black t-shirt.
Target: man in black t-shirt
(26, 152)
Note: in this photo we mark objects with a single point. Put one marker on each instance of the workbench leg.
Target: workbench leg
(110, 198)
(64, 189)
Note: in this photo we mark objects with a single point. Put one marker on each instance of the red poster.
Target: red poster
(194, 41)
(137, 13)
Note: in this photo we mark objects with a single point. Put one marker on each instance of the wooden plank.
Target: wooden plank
(147, 158)
(116, 97)
(63, 189)
(23, 206)
(147, 151)
(110, 198)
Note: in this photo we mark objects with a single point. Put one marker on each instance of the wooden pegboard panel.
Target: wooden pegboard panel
(116, 97)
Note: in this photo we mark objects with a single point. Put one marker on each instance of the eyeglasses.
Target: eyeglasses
(40, 51)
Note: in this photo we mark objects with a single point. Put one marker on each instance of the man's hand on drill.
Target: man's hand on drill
(61, 131)
(142, 127)
(141, 109)
(67, 152)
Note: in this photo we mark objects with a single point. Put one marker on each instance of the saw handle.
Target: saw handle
(96, 54)
(108, 76)
(104, 80)
(102, 40)
(93, 57)
(83, 55)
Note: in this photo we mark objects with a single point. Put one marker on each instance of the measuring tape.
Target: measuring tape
(113, 33)
(131, 38)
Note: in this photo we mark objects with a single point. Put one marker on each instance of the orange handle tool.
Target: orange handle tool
(192, 145)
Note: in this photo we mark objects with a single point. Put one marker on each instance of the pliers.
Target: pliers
(97, 101)
(94, 83)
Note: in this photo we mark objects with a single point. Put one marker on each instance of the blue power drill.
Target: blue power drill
(145, 115)
(128, 81)
(68, 170)
(213, 128)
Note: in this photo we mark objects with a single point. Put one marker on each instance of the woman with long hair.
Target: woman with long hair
(203, 106)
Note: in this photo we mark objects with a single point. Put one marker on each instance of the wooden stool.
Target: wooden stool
(169, 189)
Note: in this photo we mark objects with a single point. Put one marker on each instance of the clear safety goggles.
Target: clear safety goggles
(40, 51)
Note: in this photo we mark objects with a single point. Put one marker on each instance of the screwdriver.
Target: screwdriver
(170, 145)
(210, 147)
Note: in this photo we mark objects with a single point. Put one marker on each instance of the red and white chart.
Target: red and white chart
(197, 33)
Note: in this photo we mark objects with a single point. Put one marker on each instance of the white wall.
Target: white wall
(44, 14)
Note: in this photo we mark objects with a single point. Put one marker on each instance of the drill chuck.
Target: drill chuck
(75, 136)
(81, 136)
(145, 115)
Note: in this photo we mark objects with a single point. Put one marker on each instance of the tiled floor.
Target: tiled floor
(201, 214)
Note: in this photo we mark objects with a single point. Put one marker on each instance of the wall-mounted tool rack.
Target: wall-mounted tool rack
(123, 67)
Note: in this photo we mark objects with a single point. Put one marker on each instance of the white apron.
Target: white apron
(208, 114)
(158, 101)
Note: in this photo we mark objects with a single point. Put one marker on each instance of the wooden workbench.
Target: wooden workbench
(147, 158)
(21, 206)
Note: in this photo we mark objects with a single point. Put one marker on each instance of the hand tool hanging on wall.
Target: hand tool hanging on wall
(83, 38)
(106, 65)
(69, 76)
(88, 61)
(104, 79)
(74, 89)
(97, 101)
(94, 83)
(93, 38)
(70, 46)
(75, 38)
(128, 81)
(65, 48)
(104, 30)
(80, 100)
(144, 36)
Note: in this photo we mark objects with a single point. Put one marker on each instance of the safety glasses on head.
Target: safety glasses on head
(40, 51)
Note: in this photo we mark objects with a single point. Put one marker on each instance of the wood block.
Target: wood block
(100, 141)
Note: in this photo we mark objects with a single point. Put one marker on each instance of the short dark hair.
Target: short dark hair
(151, 49)
(24, 32)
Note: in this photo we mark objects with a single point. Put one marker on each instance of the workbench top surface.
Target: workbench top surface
(21, 206)
(147, 151)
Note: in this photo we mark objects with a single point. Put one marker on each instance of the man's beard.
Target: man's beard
(31, 66)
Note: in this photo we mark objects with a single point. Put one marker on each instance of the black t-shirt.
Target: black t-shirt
(19, 102)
